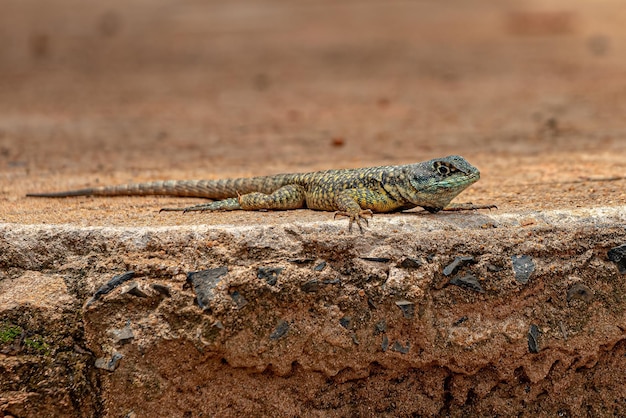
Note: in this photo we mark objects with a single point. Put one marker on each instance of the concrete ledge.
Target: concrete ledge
(467, 313)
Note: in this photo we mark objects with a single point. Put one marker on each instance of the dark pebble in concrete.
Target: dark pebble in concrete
(122, 335)
(162, 289)
(345, 322)
(407, 308)
(493, 268)
(400, 348)
(269, 274)
(533, 336)
(410, 263)
(109, 364)
(281, 329)
(457, 264)
(523, 267)
(618, 256)
(204, 283)
(135, 290)
(110, 285)
(301, 260)
(320, 266)
(579, 291)
(459, 321)
(468, 282)
(385, 344)
(380, 327)
(311, 286)
(239, 300)
(377, 259)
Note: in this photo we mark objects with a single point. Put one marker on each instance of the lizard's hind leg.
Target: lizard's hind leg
(291, 196)
(287, 197)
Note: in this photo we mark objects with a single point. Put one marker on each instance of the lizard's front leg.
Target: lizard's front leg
(358, 204)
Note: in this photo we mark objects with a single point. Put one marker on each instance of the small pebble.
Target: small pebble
(400, 348)
(269, 274)
(579, 291)
(377, 259)
(410, 263)
(380, 327)
(320, 266)
(311, 286)
(523, 267)
(456, 265)
(239, 300)
(109, 364)
(468, 282)
(533, 336)
(385, 344)
(345, 322)
(493, 268)
(459, 321)
(407, 308)
(162, 289)
(110, 285)
(204, 283)
(618, 256)
(135, 290)
(280, 331)
(301, 260)
(122, 335)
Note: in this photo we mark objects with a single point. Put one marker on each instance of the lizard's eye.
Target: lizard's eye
(444, 169)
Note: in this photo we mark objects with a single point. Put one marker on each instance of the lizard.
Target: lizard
(354, 193)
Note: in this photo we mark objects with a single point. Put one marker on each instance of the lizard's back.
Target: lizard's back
(231, 187)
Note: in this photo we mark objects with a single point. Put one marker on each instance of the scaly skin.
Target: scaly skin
(354, 193)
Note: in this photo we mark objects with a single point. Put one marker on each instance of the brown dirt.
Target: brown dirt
(116, 93)
(532, 94)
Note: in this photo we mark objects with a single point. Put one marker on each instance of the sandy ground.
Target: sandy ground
(112, 93)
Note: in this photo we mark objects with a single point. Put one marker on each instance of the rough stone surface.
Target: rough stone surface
(516, 340)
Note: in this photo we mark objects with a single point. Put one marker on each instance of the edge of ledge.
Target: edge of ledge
(600, 216)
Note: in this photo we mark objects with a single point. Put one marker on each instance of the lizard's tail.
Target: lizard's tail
(210, 189)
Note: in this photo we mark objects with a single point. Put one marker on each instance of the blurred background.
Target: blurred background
(207, 88)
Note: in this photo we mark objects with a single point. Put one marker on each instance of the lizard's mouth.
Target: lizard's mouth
(451, 183)
(439, 192)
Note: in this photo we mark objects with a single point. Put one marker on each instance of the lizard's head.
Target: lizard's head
(437, 182)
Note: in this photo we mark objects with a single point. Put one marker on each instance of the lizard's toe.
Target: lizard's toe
(356, 217)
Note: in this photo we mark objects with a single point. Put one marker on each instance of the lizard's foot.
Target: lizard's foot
(455, 207)
(356, 217)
